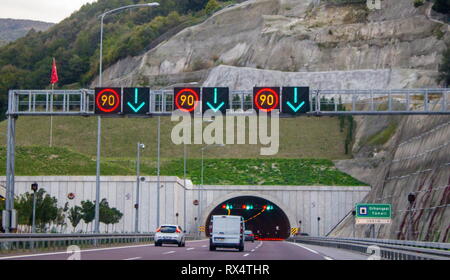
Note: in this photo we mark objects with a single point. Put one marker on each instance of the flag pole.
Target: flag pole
(51, 122)
(51, 109)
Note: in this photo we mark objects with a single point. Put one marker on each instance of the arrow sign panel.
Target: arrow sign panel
(295, 100)
(216, 99)
(136, 101)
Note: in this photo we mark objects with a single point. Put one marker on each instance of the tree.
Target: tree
(116, 216)
(444, 68)
(75, 216)
(61, 216)
(211, 7)
(88, 212)
(46, 209)
(108, 215)
(442, 6)
(105, 213)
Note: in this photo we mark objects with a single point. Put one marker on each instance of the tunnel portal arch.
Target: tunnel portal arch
(268, 218)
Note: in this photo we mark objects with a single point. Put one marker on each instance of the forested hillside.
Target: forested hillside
(74, 42)
(13, 29)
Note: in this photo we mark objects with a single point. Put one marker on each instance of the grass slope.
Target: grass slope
(34, 161)
(303, 137)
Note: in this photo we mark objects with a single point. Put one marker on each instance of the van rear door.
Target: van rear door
(226, 229)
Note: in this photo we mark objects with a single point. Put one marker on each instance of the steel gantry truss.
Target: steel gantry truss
(322, 102)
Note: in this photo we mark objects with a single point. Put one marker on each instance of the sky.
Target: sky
(42, 10)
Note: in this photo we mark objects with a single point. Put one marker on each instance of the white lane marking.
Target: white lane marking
(327, 258)
(130, 259)
(82, 251)
(204, 245)
(306, 248)
(246, 255)
(188, 249)
(196, 240)
(253, 250)
(170, 252)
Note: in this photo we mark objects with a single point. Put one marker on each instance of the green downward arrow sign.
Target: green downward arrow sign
(215, 109)
(136, 109)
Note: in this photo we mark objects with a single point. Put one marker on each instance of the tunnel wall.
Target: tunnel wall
(303, 203)
(120, 191)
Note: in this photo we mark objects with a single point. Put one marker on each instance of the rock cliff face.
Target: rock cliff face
(416, 159)
(294, 36)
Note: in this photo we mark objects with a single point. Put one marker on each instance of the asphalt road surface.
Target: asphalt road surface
(199, 250)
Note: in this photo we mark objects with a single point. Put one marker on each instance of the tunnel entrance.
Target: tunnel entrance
(264, 218)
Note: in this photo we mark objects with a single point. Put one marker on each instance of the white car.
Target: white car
(170, 234)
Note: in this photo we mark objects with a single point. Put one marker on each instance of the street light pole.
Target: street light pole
(158, 180)
(411, 199)
(34, 188)
(185, 191)
(138, 179)
(99, 122)
(318, 226)
(354, 222)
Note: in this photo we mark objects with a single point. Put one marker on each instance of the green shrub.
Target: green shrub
(418, 3)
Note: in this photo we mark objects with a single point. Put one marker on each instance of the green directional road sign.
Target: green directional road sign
(373, 213)
(136, 101)
(295, 100)
(216, 99)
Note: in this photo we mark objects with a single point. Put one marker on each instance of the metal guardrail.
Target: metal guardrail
(389, 249)
(26, 241)
(11, 242)
(38, 241)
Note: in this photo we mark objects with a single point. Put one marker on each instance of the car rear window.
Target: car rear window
(168, 229)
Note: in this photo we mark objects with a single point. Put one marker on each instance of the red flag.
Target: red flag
(54, 78)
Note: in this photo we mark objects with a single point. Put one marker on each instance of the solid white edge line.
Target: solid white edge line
(328, 258)
(306, 248)
(82, 251)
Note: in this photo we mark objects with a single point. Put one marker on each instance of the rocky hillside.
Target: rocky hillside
(13, 29)
(297, 36)
(415, 159)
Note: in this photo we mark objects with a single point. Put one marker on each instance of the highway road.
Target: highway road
(199, 250)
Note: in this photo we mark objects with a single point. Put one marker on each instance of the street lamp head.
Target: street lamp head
(34, 186)
(154, 4)
(142, 146)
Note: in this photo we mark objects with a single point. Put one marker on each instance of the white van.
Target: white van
(226, 232)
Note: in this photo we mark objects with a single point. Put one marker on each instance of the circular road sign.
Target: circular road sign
(266, 99)
(108, 100)
(186, 99)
